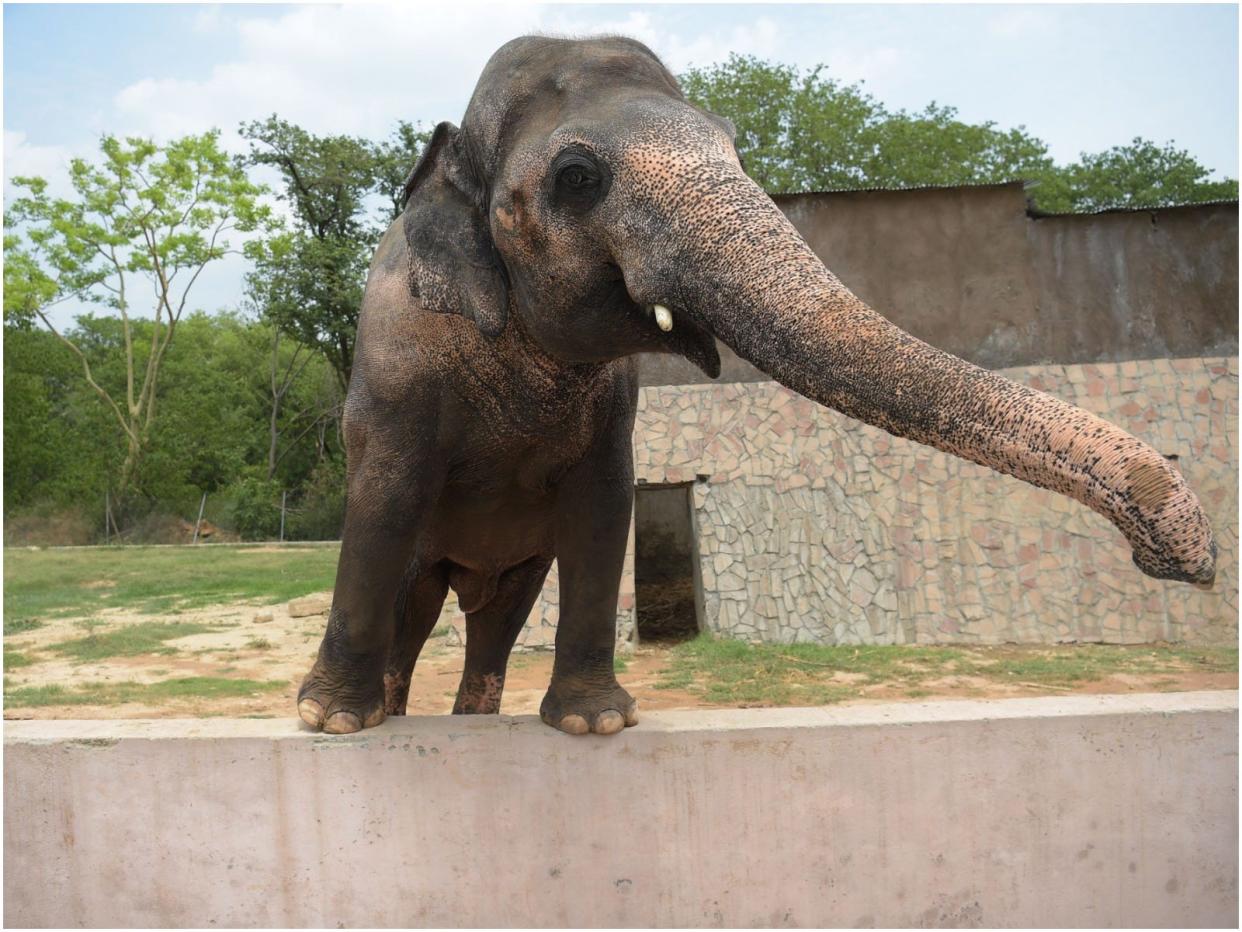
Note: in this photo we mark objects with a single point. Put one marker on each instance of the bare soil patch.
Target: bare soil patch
(280, 651)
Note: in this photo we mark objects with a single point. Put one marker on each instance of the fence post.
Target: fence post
(107, 512)
(199, 522)
(282, 514)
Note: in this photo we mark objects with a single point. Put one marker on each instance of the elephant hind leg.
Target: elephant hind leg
(490, 634)
(417, 610)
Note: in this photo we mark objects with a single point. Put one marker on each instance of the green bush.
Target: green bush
(256, 508)
(320, 515)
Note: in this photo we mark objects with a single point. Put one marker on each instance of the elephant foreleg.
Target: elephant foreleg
(391, 493)
(416, 613)
(491, 633)
(595, 505)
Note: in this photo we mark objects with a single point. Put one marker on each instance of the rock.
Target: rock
(316, 604)
(263, 617)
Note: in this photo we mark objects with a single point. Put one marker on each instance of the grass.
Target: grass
(103, 693)
(41, 584)
(145, 637)
(20, 625)
(737, 673)
(259, 644)
(15, 660)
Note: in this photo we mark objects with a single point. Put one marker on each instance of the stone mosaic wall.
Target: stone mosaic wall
(814, 527)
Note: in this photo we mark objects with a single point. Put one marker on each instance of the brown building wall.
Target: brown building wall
(1137, 285)
(970, 271)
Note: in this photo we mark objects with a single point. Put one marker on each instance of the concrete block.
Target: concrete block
(317, 604)
(1066, 811)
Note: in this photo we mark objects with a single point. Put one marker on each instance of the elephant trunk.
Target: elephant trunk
(732, 263)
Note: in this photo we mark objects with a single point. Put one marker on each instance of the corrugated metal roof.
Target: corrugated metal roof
(915, 187)
(1037, 214)
(1033, 212)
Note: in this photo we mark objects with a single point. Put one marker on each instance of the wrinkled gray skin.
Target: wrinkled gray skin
(489, 419)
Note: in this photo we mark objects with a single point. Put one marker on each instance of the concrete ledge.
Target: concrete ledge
(1074, 811)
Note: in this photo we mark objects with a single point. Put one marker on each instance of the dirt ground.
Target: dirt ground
(283, 648)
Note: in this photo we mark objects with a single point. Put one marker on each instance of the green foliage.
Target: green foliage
(140, 226)
(308, 281)
(320, 515)
(803, 131)
(256, 509)
(1141, 174)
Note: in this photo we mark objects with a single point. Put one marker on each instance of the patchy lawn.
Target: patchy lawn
(105, 694)
(42, 584)
(723, 672)
(198, 631)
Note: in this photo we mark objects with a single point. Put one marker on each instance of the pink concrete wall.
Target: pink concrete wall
(1080, 811)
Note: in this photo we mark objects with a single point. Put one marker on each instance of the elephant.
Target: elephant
(585, 212)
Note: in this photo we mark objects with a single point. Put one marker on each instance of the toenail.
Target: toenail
(609, 722)
(342, 723)
(574, 725)
(311, 712)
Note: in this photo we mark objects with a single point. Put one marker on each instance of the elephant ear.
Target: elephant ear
(454, 263)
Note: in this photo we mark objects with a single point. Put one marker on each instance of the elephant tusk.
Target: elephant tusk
(664, 319)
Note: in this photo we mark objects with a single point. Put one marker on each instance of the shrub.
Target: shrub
(256, 508)
(320, 515)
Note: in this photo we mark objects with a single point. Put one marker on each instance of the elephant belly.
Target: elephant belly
(485, 535)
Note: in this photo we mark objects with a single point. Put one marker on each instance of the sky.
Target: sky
(1081, 77)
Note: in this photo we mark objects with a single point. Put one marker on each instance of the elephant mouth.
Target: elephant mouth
(677, 333)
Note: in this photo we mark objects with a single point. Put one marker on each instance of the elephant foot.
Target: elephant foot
(578, 708)
(339, 705)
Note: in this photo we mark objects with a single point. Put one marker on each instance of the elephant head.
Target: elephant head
(587, 204)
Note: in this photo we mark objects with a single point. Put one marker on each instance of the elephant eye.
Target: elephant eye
(576, 177)
(579, 181)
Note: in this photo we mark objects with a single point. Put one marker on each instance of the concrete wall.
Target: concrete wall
(1083, 811)
(1138, 285)
(968, 270)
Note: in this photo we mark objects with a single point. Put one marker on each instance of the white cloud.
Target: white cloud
(23, 158)
(679, 50)
(352, 69)
(359, 68)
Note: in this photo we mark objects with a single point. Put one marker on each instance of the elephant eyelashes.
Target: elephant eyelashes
(579, 182)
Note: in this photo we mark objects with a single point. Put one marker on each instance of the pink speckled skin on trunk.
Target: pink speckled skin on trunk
(489, 419)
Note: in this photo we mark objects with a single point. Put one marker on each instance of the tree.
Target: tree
(308, 281)
(934, 147)
(795, 131)
(140, 226)
(394, 161)
(803, 131)
(1141, 174)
